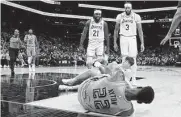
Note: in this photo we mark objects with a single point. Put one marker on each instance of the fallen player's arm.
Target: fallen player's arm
(102, 68)
(127, 75)
(105, 70)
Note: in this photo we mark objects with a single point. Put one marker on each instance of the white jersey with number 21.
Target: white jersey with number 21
(96, 31)
(128, 23)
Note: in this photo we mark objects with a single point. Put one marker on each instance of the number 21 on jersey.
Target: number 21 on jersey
(95, 33)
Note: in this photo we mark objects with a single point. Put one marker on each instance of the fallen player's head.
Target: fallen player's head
(145, 95)
(129, 61)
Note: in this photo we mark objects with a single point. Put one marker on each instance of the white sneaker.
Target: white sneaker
(97, 64)
(68, 81)
(64, 87)
(33, 68)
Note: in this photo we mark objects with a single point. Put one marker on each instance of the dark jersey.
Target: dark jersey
(98, 94)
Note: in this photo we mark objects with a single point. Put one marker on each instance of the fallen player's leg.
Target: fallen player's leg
(88, 74)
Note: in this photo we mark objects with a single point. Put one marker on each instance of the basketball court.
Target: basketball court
(166, 82)
(36, 94)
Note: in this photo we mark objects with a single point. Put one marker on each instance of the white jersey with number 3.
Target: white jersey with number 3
(128, 23)
(96, 31)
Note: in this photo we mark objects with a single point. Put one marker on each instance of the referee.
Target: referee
(14, 47)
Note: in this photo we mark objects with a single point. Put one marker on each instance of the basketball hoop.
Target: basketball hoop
(175, 41)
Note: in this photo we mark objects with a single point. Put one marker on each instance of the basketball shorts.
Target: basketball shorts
(13, 54)
(31, 51)
(96, 49)
(128, 46)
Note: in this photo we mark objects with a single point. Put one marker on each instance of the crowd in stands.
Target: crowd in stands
(56, 51)
(158, 56)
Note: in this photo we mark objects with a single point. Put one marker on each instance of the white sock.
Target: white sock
(33, 67)
(29, 60)
(97, 64)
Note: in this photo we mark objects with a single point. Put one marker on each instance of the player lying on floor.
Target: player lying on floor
(102, 69)
(109, 93)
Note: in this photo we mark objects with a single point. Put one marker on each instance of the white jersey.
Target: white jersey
(96, 31)
(128, 23)
(31, 40)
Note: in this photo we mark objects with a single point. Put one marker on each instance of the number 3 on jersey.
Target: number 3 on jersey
(95, 33)
(127, 27)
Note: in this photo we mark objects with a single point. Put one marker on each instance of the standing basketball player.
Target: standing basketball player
(98, 32)
(14, 46)
(128, 23)
(32, 46)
